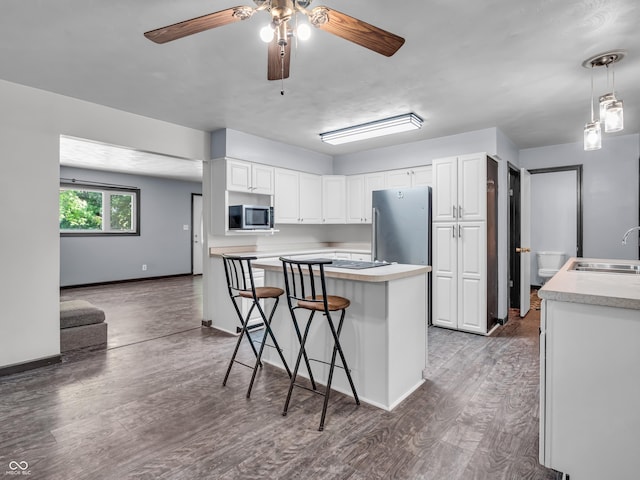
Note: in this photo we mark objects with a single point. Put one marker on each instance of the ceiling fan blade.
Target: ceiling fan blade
(275, 69)
(357, 31)
(199, 24)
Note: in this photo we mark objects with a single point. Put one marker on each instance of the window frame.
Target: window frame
(106, 191)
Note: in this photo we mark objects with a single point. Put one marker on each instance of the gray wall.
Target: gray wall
(610, 190)
(163, 245)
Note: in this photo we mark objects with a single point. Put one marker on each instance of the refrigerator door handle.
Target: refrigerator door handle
(374, 234)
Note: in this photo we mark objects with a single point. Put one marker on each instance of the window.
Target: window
(98, 210)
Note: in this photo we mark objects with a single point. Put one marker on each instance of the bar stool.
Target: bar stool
(300, 278)
(240, 283)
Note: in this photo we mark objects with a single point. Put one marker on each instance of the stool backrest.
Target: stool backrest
(239, 274)
(301, 280)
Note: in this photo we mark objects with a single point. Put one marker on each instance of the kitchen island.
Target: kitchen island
(590, 370)
(384, 336)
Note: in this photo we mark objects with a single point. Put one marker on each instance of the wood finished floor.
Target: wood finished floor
(156, 410)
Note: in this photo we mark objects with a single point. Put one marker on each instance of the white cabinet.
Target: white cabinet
(589, 389)
(459, 235)
(359, 190)
(249, 177)
(409, 177)
(460, 188)
(334, 193)
(298, 197)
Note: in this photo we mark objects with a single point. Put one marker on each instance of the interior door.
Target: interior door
(525, 242)
(197, 247)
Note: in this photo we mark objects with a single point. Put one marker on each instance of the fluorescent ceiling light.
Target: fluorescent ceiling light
(379, 128)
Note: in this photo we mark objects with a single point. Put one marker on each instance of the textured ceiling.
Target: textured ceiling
(466, 65)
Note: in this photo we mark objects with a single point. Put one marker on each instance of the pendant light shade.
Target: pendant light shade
(592, 136)
(614, 117)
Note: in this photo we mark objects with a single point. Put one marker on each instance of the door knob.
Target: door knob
(523, 250)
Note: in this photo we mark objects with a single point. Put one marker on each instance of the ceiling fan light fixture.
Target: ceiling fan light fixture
(267, 33)
(378, 128)
(303, 31)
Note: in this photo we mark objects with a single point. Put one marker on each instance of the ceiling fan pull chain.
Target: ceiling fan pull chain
(282, 53)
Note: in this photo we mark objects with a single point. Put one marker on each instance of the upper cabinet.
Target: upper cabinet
(409, 177)
(249, 177)
(334, 193)
(359, 188)
(461, 188)
(298, 197)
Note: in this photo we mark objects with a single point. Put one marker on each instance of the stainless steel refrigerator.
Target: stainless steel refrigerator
(402, 225)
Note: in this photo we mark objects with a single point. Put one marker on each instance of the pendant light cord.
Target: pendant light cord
(591, 103)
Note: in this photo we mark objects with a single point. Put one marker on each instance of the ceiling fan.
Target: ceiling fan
(282, 12)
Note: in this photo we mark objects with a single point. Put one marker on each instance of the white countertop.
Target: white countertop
(385, 273)
(594, 288)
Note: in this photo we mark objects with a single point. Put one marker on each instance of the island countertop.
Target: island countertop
(384, 273)
(594, 288)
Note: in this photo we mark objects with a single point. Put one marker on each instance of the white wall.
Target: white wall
(610, 190)
(30, 127)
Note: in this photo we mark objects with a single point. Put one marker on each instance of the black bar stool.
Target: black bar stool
(241, 285)
(300, 278)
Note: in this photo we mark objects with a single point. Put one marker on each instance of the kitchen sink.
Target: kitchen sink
(605, 268)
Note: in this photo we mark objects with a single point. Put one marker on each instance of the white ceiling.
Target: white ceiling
(466, 65)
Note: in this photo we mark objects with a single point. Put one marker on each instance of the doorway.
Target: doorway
(514, 236)
(197, 245)
(556, 221)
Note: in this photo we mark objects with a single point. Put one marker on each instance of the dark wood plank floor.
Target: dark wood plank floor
(156, 410)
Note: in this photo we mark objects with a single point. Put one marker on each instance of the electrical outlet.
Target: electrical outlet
(185, 227)
(144, 267)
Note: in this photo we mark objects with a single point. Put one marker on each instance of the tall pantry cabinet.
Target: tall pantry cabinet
(464, 237)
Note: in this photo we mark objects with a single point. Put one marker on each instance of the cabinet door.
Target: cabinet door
(472, 274)
(286, 205)
(238, 176)
(334, 192)
(445, 275)
(445, 190)
(310, 198)
(397, 179)
(372, 182)
(355, 198)
(472, 187)
(262, 179)
(422, 176)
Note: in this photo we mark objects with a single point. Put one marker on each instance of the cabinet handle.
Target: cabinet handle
(459, 211)
(459, 231)
(454, 211)
(453, 231)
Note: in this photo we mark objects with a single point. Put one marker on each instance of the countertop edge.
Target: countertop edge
(604, 289)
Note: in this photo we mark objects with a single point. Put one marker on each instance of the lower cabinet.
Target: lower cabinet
(459, 276)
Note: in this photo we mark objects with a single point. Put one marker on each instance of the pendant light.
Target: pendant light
(592, 132)
(610, 107)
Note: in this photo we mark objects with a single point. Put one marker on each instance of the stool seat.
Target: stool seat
(262, 292)
(333, 302)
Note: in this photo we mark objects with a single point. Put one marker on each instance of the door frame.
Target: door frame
(513, 240)
(578, 170)
(193, 230)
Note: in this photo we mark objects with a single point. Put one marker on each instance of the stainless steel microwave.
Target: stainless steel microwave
(250, 217)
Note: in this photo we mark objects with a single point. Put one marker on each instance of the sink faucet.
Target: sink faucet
(626, 235)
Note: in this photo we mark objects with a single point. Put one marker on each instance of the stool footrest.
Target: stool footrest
(245, 365)
(318, 392)
(328, 363)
